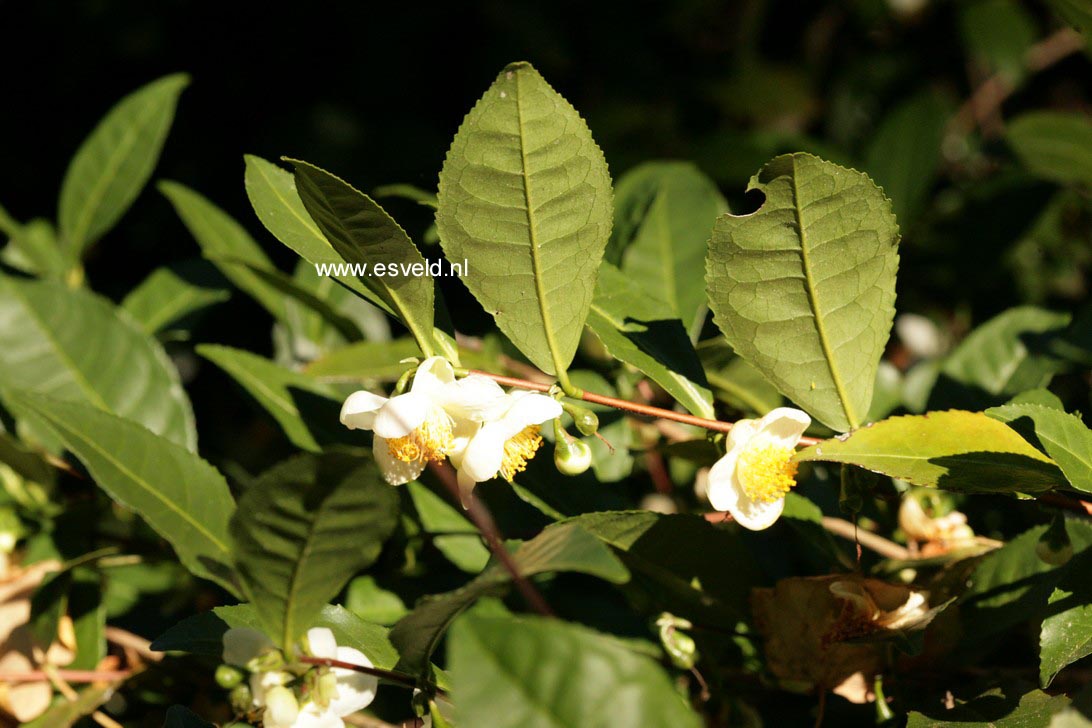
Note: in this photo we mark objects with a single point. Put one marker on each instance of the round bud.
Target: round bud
(586, 421)
(572, 458)
(1054, 546)
(228, 676)
(241, 699)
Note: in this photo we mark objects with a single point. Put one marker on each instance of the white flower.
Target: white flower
(505, 442)
(420, 425)
(353, 690)
(241, 645)
(756, 473)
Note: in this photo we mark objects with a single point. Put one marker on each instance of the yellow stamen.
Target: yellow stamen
(766, 471)
(432, 440)
(520, 449)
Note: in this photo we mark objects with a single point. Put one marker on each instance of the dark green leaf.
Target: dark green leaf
(172, 294)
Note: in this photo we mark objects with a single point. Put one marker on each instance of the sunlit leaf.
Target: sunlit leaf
(115, 161)
(525, 197)
(804, 288)
(1062, 436)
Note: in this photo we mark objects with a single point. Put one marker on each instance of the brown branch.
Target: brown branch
(986, 100)
(644, 410)
(487, 527)
(136, 643)
(875, 542)
(398, 678)
(69, 676)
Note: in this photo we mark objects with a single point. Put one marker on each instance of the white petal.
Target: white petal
(784, 425)
(262, 682)
(355, 690)
(476, 397)
(463, 432)
(395, 471)
(322, 643)
(724, 489)
(530, 408)
(402, 415)
(242, 644)
(433, 374)
(466, 488)
(485, 453)
(740, 434)
(358, 412)
(281, 708)
(756, 515)
(313, 717)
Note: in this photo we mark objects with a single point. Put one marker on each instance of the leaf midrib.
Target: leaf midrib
(294, 580)
(813, 300)
(536, 265)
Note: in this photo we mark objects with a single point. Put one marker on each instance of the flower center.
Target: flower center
(433, 440)
(518, 450)
(767, 472)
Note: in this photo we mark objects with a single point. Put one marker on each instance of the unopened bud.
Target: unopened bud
(325, 689)
(267, 662)
(572, 458)
(680, 647)
(228, 676)
(586, 421)
(281, 706)
(1054, 546)
(242, 701)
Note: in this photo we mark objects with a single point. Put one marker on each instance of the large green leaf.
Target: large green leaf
(954, 450)
(115, 161)
(226, 244)
(560, 547)
(904, 154)
(181, 496)
(366, 360)
(203, 633)
(999, 708)
(646, 333)
(363, 233)
(804, 288)
(1008, 354)
(1066, 634)
(525, 197)
(303, 529)
(306, 409)
(72, 344)
(34, 248)
(1054, 145)
(663, 212)
(273, 195)
(172, 294)
(1063, 436)
(536, 673)
(452, 534)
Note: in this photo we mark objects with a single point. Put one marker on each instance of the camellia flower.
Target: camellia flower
(334, 693)
(506, 441)
(416, 427)
(756, 473)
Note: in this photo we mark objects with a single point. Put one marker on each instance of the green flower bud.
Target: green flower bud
(680, 647)
(586, 421)
(241, 699)
(1054, 546)
(572, 458)
(228, 676)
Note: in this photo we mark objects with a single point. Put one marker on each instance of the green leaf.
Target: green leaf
(1008, 354)
(172, 294)
(954, 450)
(663, 212)
(47, 605)
(560, 547)
(224, 242)
(525, 197)
(65, 713)
(1054, 145)
(363, 233)
(88, 612)
(179, 716)
(407, 192)
(365, 361)
(371, 602)
(452, 534)
(644, 332)
(999, 708)
(300, 298)
(73, 345)
(734, 381)
(203, 634)
(537, 673)
(273, 195)
(1062, 436)
(306, 409)
(1077, 13)
(904, 154)
(998, 34)
(1066, 634)
(303, 529)
(115, 161)
(804, 288)
(180, 495)
(33, 248)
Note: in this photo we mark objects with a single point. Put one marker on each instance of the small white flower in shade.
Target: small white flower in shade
(757, 471)
(241, 645)
(410, 429)
(282, 710)
(352, 691)
(506, 441)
